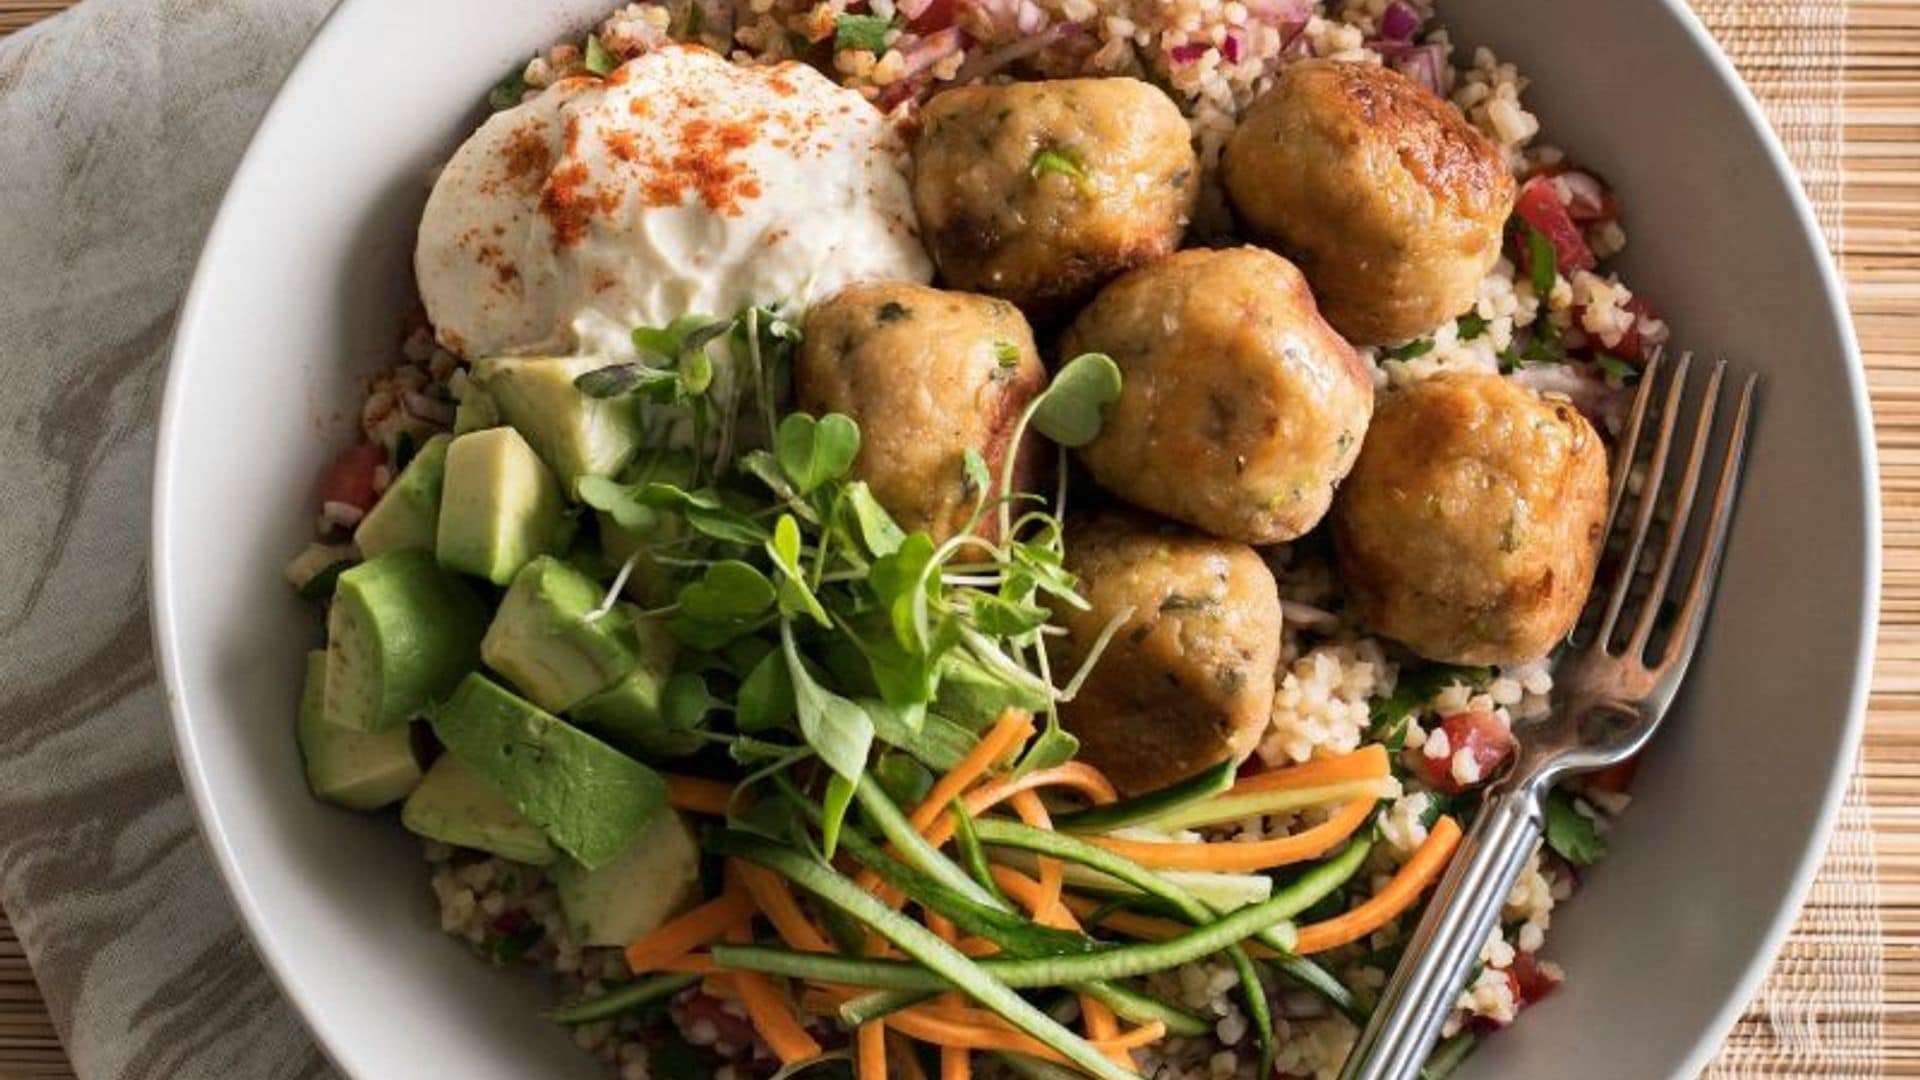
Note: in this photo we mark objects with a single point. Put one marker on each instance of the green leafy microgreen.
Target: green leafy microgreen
(1072, 409)
(684, 701)
(765, 699)
(619, 380)
(876, 527)
(795, 596)
(905, 780)
(837, 729)
(867, 32)
(599, 59)
(1542, 263)
(1470, 326)
(729, 591)
(815, 452)
(1571, 834)
(839, 796)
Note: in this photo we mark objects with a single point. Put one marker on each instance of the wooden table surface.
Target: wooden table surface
(1881, 259)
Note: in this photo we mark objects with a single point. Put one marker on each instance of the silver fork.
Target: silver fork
(1613, 693)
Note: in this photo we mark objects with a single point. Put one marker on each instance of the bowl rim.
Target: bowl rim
(260, 929)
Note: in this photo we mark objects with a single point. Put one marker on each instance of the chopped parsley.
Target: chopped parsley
(601, 60)
(1471, 325)
(1052, 160)
(509, 91)
(867, 32)
(1412, 349)
(892, 311)
(1416, 687)
(1571, 834)
(1616, 367)
(1007, 353)
(1542, 262)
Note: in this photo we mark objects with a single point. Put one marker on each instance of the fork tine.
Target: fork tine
(1630, 439)
(1682, 510)
(1649, 498)
(1706, 568)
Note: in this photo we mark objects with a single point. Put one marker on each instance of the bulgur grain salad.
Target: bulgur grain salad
(980, 535)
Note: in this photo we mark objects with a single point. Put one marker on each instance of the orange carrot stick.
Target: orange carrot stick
(870, 1052)
(1233, 856)
(769, 891)
(1399, 894)
(1367, 763)
(1013, 728)
(772, 1014)
(701, 926)
(909, 1061)
(1052, 877)
(1084, 778)
(698, 796)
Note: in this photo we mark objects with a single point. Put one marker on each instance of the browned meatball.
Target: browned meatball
(1041, 191)
(928, 375)
(1240, 410)
(1187, 681)
(1470, 527)
(1387, 197)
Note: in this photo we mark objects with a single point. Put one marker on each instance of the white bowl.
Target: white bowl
(305, 279)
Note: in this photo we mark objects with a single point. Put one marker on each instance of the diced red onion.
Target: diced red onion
(1400, 21)
(922, 53)
(1188, 53)
(1282, 12)
(982, 64)
(1230, 47)
(1582, 384)
(1424, 64)
(1030, 18)
(912, 9)
(1584, 195)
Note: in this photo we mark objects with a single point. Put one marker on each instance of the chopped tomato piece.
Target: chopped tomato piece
(937, 16)
(1530, 981)
(1481, 735)
(1539, 205)
(1615, 779)
(349, 479)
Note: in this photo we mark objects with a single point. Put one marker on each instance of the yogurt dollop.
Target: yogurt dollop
(680, 184)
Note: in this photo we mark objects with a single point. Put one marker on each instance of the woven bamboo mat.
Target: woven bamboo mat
(1844, 996)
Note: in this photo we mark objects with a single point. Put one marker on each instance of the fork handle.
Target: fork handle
(1445, 946)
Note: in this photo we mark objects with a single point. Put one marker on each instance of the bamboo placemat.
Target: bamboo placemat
(1844, 996)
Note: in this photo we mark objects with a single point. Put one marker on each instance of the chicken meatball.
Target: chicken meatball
(1387, 197)
(1470, 527)
(1240, 408)
(1187, 680)
(1039, 192)
(928, 375)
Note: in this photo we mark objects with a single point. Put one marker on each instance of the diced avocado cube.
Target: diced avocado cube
(408, 514)
(499, 506)
(971, 695)
(654, 879)
(547, 645)
(360, 770)
(475, 410)
(591, 800)
(401, 632)
(628, 713)
(574, 434)
(455, 805)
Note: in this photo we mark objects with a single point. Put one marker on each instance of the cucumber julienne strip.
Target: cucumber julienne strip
(972, 855)
(914, 848)
(944, 966)
(614, 1002)
(1150, 805)
(1127, 1004)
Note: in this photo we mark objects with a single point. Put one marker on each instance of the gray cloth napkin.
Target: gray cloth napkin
(120, 123)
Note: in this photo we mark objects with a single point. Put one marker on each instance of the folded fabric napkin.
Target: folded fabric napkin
(120, 123)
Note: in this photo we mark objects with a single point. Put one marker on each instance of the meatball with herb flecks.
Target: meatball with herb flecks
(1240, 408)
(1187, 678)
(928, 375)
(1470, 528)
(1390, 201)
(1039, 192)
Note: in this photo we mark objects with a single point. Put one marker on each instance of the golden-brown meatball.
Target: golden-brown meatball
(1040, 191)
(1470, 527)
(1240, 410)
(1187, 681)
(1387, 197)
(928, 375)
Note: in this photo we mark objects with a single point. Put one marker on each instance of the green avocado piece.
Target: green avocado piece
(591, 800)
(360, 770)
(654, 879)
(455, 805)
(401, 632)
(627, 713)
(499, 506)
(408, 514)
(475, 410)
(544, 640)
(574, 434)
(971, 695)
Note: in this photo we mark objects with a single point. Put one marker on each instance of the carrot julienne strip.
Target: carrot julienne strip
(1401, 893)
(776, 901)
(1013, 728)
(909, 1061)
(1366, 763)
(870, 1051)
(1233, 856)
(678, 937)
(698, 796)
(772, 1015)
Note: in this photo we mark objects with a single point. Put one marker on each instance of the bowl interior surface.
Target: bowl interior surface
(306, 280)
